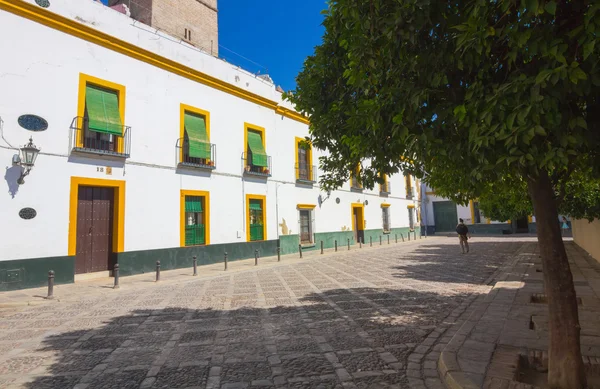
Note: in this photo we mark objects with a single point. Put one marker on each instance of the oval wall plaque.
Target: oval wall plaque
(27, 213)
(33, 122)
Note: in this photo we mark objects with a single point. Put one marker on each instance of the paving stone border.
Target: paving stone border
(484, 352)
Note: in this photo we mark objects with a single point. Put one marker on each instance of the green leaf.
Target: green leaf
(588, 49)
(550, 7)
(539, 130)
(532, 6)
(510, 120)
(543, 76)
(581, 122)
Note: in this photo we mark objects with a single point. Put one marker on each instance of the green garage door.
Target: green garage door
(445, 216)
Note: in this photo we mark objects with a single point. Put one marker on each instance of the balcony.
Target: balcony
(306, 174)
(385, 189)
(185, 161)
(255, 170)
(355, 186)
(84, 140)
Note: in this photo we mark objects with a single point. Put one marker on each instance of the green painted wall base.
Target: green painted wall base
(138, 262)
(33, 272)
(289, 243)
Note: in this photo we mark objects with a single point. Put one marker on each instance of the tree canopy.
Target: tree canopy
(472, 91)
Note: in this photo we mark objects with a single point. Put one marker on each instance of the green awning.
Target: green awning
(195, 127)
(103, 110)
(255, 206)
(259, 156)
(193, 204)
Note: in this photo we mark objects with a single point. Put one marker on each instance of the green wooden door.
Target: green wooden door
(445, 216)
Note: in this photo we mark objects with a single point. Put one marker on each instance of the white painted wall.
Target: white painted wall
(41, 70)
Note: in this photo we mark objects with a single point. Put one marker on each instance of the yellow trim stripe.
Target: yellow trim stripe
(118, 244)
(306, 206)
(385, 205)
(71, 27)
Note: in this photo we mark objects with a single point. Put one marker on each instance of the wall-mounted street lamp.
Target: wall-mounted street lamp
(27, 159)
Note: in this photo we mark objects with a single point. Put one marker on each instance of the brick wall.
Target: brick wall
(198, 16)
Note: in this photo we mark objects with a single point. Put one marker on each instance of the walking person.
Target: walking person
(564, 226)
(463, 235)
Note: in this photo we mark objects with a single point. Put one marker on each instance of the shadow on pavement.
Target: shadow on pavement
(362, 335)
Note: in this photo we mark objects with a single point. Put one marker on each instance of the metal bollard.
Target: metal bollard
(396, 238)
(278, 254)
(380, 240)
(360, 243)
(225, 257)
(195, 265)
(255, 257)
(402, 236)
(408, 234)
(157, 271)
(348, 243)
(335, 245)
(371, 241)
(388, 239)
(415, 235)
(50, 285)
(300, 250)
(321, 247)
(116, 276)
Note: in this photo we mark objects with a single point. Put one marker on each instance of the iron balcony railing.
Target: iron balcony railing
(306, 173)
(254, 170)
(84, 140)
(256, 232)
(385, 189)
(184, 160)
(194, 235)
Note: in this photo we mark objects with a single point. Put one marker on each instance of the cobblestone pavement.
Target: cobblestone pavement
(365, 318)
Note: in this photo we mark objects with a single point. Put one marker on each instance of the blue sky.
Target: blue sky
(276, 34)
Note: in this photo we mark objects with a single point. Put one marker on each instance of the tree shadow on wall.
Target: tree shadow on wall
(366, 332)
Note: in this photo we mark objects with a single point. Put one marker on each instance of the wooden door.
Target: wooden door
(445, 216)
(94, 229)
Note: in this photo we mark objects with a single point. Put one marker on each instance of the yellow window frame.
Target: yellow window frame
(308, 154)
(84, 81)
(183, 108)
(199, 193)
(355, 173)
(264, 214)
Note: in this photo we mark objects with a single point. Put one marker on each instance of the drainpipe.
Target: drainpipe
(277, 207)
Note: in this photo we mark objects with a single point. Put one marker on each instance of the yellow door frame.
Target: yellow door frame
(264, 214)
(118, 238)
(362, 214)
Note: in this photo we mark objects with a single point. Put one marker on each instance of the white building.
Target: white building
(155, 150)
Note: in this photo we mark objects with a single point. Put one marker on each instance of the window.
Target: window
(255, 218)
(305, 226)
(384, 188)
(306, 223)
(100, 115)
(409, 190)
(194, 218)
(411, 218)
(195, 137)
(256, 159)
(476, 212)
(304, 168)
(355, 183)
(385, 216)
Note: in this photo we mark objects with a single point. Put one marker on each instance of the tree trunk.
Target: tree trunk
(565, 365)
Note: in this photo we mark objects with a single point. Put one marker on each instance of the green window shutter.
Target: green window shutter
(255, 206)
(193, 204)
(195, 127)
(103, 110)
(259, 155)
